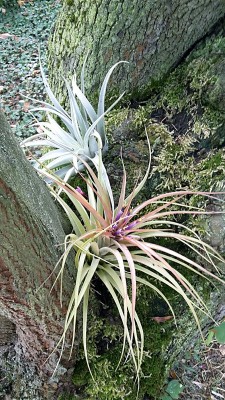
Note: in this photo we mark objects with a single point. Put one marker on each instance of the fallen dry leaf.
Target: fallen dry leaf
(162, 319)
(36, 72)
(222, 349)
(7, 35)
(26, 106)
(172, 374)
(199, 384)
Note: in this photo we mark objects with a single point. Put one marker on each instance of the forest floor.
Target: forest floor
(201, 371)
(23, 30)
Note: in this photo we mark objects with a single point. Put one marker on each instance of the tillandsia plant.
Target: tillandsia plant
(75, 138)
(121, 246)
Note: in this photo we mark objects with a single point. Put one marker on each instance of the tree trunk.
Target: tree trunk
(153, 36)
(30, 237)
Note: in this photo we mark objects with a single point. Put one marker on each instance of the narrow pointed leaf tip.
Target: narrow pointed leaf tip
(73, 134)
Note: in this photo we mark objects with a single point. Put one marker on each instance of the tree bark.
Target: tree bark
(153, 36)
(30, 237)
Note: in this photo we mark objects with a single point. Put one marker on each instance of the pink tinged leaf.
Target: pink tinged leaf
(84, 296)
(115, 282)
(102, 197)
(186, 260)
(149, 217)
(130, 261)
(69, 189)
(71, 316)
(101, 191)
(85, 311)
(127, 215)
(205, 251)
(88, 235)
(197, 245)
(112, 282)
(141, 184)
(177, 194)
(125, 297)
(162, 207)
(123, 189)
(148, 249)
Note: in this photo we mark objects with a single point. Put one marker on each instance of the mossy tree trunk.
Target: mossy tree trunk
(153, 36)
(30, 235)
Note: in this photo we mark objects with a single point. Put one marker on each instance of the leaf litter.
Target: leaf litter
(22, 31)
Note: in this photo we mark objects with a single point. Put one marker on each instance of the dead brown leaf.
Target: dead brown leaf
(26, 106)
(222, 349)
(7, 35)
(162, 319)
(173, 374)
(36, 72)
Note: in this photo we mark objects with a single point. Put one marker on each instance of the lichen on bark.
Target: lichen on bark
(153, 36)
(30, 238)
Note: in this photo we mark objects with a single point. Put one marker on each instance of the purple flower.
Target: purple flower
(119, 214)
(79, 190)
(131, 225)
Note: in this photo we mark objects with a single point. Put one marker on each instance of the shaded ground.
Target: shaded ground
(22, 31)
(202, 372)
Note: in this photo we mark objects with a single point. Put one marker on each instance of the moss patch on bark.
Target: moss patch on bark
(185, 123)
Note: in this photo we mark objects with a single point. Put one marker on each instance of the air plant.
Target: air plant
(73, 136)
(121, 246)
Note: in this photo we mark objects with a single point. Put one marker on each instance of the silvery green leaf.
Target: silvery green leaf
(95, 123)
(76, 116)
(63, 117)
(50, 93)
(85, 102)
(36, 143)
(79, 131)
(59, 161)
(101, 102)
(52, 154)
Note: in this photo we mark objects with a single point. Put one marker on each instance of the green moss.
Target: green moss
(193, 126)
(67, 397)
(81, 374)
(186, 133)
(109, 383)
(70, 2)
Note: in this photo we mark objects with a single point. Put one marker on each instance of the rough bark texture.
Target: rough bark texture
(7, 331)
(153, 36)
(30, 231)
